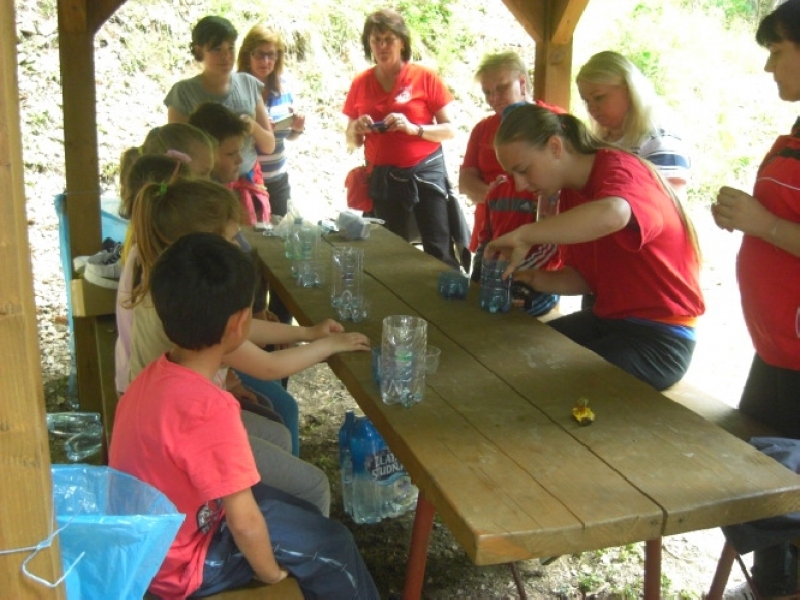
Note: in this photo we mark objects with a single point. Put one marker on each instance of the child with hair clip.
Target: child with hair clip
(181, 141)
(229, 132)
(147, 168)
(164, 213)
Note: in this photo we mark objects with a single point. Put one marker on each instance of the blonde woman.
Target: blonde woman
(626, 111)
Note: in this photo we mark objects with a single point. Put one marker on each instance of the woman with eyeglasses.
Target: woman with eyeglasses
(262, 54)
(400, 113)
(213, 46)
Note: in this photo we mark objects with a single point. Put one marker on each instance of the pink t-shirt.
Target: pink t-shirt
(184, 436)
(648, 269)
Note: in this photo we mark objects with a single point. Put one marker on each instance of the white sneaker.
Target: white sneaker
(108, 271)
(92, 277)
(739, 592)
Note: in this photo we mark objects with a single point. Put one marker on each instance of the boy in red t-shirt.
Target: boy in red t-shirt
(179, 432)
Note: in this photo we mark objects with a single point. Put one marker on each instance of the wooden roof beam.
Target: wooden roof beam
(551, 24)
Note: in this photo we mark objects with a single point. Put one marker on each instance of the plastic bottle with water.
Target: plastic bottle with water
(495, 292)
(381, 486)
(288, 242)
(346, 460)
(364, 445)
(398, 494)
(305, 267)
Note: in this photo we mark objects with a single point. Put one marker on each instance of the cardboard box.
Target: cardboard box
(89, 300)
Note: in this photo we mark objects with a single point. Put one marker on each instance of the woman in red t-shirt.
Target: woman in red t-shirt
(399, 112)
(624, 238)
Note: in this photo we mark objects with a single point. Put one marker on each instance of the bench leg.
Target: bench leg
(652, 569)
(418, 554)
(722, 573)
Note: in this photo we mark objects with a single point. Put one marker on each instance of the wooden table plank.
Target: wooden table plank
(563, 372)
(493, 445)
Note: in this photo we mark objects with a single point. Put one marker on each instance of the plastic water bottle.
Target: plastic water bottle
(396, 490)
(367, 500)
(495, 293)
(305, 266)
(288, 242)
(346, 461)
(403, 344)
(381, 486)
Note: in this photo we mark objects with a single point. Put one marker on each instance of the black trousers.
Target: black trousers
(646, 352)
(772, 396)
(426, 221)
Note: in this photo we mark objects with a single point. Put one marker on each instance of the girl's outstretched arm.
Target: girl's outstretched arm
(252, 360)
(271, 332)
(583, 223)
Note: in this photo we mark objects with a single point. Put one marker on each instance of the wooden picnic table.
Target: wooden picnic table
(493, 447)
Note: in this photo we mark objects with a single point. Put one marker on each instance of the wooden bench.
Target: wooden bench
(714, 410)
(285, 590)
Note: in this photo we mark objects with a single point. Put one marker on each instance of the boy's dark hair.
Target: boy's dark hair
(197, 284)
(781, 24)
(218, 121)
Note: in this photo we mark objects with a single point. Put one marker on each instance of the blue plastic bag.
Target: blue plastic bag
(123, 525)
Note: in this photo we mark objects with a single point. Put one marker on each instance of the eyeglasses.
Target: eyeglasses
(386, 40)
(262, 56)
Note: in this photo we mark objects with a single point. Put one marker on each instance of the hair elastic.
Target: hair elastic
(178, 155)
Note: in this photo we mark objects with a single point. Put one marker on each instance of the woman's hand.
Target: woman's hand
(508, 247)
(298, 123)
(399, 122)
(735, 209)
(361, 126)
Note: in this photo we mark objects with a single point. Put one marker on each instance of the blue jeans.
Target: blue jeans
(318, 552)
(283, 403)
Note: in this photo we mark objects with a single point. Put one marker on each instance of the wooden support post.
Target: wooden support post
(551, 23)
(26, 494)
(76, 50)
(552, 73)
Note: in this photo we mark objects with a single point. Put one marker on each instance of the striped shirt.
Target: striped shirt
(667, 152)
(279, 107)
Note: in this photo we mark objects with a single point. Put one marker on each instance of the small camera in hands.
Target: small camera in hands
(379, 126)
